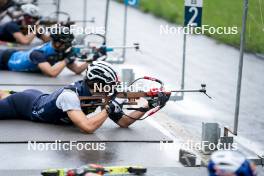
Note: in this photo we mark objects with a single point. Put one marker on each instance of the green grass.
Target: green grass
(217, 13)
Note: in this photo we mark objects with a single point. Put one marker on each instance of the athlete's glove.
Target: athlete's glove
(100, 52)
(160, 100)
(115, 106)
(69, 56)
(114, 109)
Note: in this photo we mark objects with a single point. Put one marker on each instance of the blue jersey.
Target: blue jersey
(29, 60)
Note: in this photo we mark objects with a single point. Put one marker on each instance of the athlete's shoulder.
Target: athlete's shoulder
(68, 100)
(12, 25)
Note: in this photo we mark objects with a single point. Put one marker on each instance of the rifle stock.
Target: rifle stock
(104, 98)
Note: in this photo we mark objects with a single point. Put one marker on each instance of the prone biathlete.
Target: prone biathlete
(16, 31)
(50, 58)
(64, 105)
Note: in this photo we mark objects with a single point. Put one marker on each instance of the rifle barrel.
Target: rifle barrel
(121, 47)
(200, 90)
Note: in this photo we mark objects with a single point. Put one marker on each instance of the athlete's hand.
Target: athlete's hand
(160, 100)
(115, 106)
(100, 52)
(69, 56)
(69, 60)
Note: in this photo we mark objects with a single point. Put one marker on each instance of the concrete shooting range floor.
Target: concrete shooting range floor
(8, 78)
(12, 131)
(115, 154)
(19, 81)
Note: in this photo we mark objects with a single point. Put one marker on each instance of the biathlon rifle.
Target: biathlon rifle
(92, 53)
(102, 98)
(82, 54)
(67, 23)
(95, 169)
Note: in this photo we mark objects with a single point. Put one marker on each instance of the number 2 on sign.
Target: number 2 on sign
(195, 14)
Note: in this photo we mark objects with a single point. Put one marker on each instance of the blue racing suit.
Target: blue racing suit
(29, 60)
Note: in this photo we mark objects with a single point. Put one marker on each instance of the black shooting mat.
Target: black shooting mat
(14, 131)
(8, 78)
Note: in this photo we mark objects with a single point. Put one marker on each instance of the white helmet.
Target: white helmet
(31, 10)
(230, 162)
(102, 71)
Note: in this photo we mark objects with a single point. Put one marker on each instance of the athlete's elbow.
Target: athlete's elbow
(123, 125)
(51, 74)
(89, 127)
(78, 72)
(88, 130)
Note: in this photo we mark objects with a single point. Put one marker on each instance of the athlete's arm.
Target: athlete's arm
(14, 29)
(52, 71)
(68, 101)
(125, 121)
(78, 67)
(24, 39)
(161, 101)
(87, 125)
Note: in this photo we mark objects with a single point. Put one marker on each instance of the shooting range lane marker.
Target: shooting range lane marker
(193, 13)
